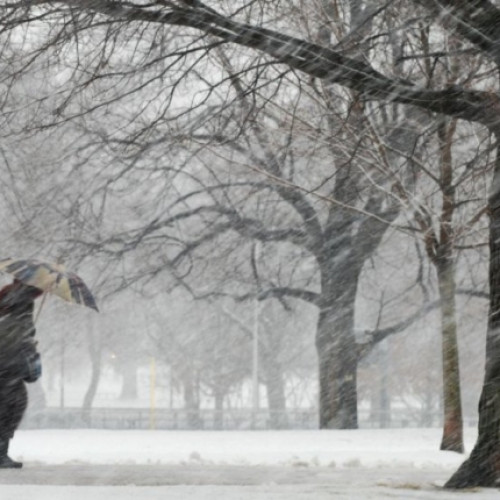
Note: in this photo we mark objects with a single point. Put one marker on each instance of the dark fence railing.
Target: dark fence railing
(230, 419)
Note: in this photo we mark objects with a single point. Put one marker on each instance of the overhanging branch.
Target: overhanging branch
(313, 59)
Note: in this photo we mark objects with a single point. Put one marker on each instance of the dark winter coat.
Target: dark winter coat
(19, 359)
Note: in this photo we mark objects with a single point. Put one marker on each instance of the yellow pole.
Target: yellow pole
(152, 386)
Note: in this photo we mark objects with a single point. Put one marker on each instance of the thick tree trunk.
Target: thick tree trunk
(453, 425)
(337, 355)
(483, 466)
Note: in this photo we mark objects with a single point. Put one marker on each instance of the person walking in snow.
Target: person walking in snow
(19, 360)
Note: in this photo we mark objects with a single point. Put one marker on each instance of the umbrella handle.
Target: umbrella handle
(44, 298)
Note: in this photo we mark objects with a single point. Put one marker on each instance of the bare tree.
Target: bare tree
(340, 228)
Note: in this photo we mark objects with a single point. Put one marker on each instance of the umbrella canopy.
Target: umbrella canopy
(50, 278)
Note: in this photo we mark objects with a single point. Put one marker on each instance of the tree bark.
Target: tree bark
(483, 466)
(336, 347)
(453, 425)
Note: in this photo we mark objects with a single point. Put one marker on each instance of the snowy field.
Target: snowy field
(274, 465)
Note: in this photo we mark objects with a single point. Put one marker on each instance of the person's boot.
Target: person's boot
(5, 461)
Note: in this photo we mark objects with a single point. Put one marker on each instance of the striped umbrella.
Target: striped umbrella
(50, 278)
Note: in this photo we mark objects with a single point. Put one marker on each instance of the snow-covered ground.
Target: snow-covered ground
(277, 465)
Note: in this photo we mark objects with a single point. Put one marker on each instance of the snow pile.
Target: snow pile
(343, 449)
